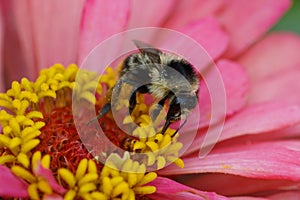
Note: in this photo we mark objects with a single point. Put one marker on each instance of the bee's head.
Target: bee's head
(181, 106)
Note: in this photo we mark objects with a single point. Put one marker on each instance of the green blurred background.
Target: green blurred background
(291, 20)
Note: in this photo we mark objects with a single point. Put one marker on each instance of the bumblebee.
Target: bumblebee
(167, 77)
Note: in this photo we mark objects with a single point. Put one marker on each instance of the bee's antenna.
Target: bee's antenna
(146, 48)
(92, 120)
(105, 109)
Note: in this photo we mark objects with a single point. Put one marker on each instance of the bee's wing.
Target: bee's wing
(139, 75)
(151, 51)
(133, 80)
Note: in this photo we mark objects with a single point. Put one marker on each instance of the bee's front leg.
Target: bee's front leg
(132, 102)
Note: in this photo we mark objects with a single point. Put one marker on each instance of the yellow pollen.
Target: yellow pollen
(38, 185)
(161, 148)
(224, 166)
(109, 78)
(120, 178)
(83, 182)
(124, 177)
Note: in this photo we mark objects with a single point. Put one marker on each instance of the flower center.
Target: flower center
(38, 127)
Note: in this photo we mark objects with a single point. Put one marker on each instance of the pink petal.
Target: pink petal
(14, 66)
(185, 12)
(234, 82)
(247, 198)
(286, 195)
(53, 197)
(205, 37)
(142, 12)
(246, 20)
(10, 185)
(261, 118)
(101, 19)
(178, 191)
(265, 160)
(208, 33)
(290, 132)
(232, 185)
(252, 120)
(283, 86)
(273, 68)
(274, 54)
(47, 174)
(215, 104)
(48, 31)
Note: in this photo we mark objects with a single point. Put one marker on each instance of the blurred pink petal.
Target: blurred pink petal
(208, 33)
(101, 19)
(261, 118)
(235, 84)
(265, 160)
(255, 119)
(232, 185)
(185, 12)
(246, 21)
(48, 31)
(290, 132)
(10, 185)
(247, 198)
(276, 53)
(13, 62)
(273, 68)
(48, 175)
(52, 197)
(283, 86)
(143, 11)
(170, 190)
(286, 195)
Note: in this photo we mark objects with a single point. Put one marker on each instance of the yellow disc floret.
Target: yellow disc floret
(27, 107)
(125, 178)
(38, 185)
(160, 149)
(83, 183)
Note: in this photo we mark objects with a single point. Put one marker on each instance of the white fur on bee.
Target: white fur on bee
(165, 58)
(161, 85)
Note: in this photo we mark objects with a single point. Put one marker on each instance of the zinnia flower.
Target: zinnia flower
(42, 155)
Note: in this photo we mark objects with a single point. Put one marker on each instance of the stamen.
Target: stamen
(124, 176)
(149, 140)
(38, 132)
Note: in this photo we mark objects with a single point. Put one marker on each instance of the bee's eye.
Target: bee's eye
(189, 102)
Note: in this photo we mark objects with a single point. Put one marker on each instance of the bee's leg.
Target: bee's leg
(105, 109)
(173, 114)
(132, 102)
(179, 128)
(166, 126)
